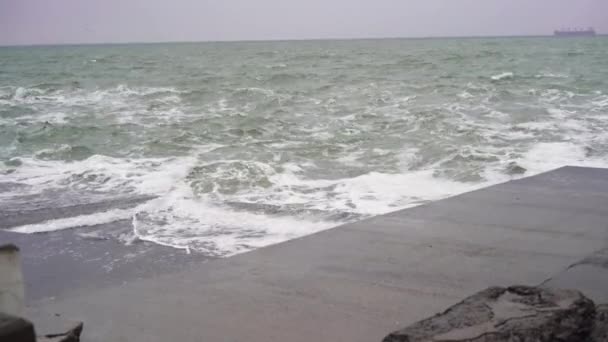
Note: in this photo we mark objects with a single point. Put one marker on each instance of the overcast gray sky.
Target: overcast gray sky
(95, 21)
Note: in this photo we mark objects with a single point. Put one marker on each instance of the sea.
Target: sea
(240, 145)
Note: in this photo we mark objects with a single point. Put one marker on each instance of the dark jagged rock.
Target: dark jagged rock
(54, 328)
(598, 259)
(515, 169)
(513, 314)
(15, 329)
(72, 334)
(9, 247)
(600, 328)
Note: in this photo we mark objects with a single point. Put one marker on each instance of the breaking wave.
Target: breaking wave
(233, 152)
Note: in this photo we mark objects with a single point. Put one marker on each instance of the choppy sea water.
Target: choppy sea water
(243, 145)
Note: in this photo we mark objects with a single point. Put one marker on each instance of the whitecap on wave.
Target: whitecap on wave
(503, 76)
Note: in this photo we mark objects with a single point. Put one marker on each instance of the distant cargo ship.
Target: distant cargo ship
(590, 32)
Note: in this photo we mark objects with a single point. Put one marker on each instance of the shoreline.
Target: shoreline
(64, 262)
(359, 281)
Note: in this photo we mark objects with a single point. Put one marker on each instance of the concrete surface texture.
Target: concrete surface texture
(360, 281)
(63, 262)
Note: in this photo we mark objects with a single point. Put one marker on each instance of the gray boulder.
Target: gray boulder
(513, 314)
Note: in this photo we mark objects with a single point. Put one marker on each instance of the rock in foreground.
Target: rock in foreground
(54, 328)
(66, 331)
(600, 331)
(15, 329)
(513, 314)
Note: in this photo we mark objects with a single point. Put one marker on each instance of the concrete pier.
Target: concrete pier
(360, 281)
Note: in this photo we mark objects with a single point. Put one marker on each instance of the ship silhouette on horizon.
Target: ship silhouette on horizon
(577, 32)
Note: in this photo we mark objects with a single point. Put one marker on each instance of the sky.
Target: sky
(120, 21)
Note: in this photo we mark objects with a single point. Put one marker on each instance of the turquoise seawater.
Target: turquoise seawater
(252, 143)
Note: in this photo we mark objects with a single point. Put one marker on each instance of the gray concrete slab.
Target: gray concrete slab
(360, 281)
(589, 276)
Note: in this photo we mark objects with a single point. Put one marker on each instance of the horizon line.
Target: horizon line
(281, 40)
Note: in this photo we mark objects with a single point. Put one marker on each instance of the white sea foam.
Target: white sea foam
(105, 174)
(322, 153)
(108, 101)
(601, 102)
(551, 75)
(539, 126)
(183, 221)
(551, 155)
(177, 218)
(74, 222)
(351, 159)
(379, 193)
(503, 76)
(466, 95)
(368, 194)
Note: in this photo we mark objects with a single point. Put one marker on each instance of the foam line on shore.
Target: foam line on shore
(75, 222)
